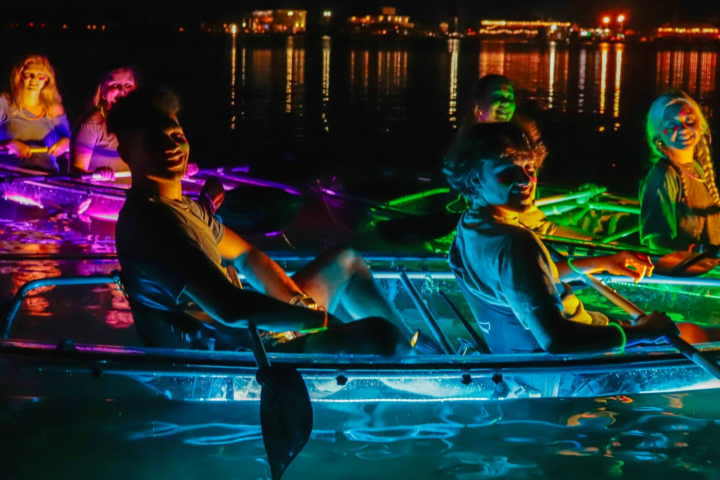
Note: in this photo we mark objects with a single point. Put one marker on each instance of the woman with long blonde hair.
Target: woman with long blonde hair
(680, 203)
(33, 125)
(93, 149)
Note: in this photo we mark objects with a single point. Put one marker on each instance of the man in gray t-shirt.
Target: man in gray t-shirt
(171, 251)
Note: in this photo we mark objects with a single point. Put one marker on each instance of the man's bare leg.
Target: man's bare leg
(340, 276)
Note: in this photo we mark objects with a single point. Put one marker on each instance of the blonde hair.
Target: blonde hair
(97, 100)
(50, 98)
(702, 149)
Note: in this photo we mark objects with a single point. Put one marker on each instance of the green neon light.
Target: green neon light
(558, 209)
(418, 196)
(614, 208)
(620, 235)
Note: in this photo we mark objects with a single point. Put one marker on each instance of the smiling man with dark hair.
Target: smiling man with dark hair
(171, 254)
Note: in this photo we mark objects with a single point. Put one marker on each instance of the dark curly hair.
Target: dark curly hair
(485, 141)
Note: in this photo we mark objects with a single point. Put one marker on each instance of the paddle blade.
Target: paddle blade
(286, 415)
(685, 264)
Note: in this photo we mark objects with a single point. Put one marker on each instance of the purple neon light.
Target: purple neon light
(273, 234)
(23, 200)
(109, 216)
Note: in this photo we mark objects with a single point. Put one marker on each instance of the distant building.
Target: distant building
(386, 23)
(688, 33)
(524, 29)
(275, 21)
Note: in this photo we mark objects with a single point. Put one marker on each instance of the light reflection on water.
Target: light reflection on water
(652, 436)
(540, 73)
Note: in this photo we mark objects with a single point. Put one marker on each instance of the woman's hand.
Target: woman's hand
(60, 147)
(105, 174)
(621, 263)
(18, 148)
(192, 169)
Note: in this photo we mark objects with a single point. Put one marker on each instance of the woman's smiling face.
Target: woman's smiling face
(680, 127)
(34, 77)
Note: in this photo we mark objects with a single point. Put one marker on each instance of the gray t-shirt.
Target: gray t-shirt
(161, 245)
(19, 124)
(91, 135)
(506, 265)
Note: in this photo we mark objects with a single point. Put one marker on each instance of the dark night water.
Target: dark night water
(293, 108)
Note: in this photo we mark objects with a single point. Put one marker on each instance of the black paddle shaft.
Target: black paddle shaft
(286, 415)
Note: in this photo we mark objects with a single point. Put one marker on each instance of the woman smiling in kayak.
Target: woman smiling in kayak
(506, 272)
(680, 204)
(93, 149)
(33, 125)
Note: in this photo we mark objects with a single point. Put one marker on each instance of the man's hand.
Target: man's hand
(630, 264)
(106, 174)
(192, 170)
(651, 328)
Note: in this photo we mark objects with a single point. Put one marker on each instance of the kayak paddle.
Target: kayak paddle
(693, 354)
(286, 415)
(702, 360)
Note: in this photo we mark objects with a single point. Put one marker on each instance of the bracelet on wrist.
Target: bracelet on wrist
(574, 268)
(321, 329)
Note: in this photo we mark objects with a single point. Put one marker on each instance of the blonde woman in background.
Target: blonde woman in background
(93, 149)
(33, 124)
(680, 205)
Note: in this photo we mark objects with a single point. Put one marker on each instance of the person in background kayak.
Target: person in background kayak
(170, 251)
(680, 204)
(515, 290)
(92, 148)
(492, 100)
(33, 124)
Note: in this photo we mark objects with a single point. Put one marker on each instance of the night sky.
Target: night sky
(641, 13)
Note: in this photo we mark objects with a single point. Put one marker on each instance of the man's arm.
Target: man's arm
(260, 270)
(558, 335)
(239, 308)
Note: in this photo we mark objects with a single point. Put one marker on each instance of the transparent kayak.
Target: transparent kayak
(32, 368)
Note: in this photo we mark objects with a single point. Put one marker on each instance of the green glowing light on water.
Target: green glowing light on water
(668, 289)
(418, 196)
